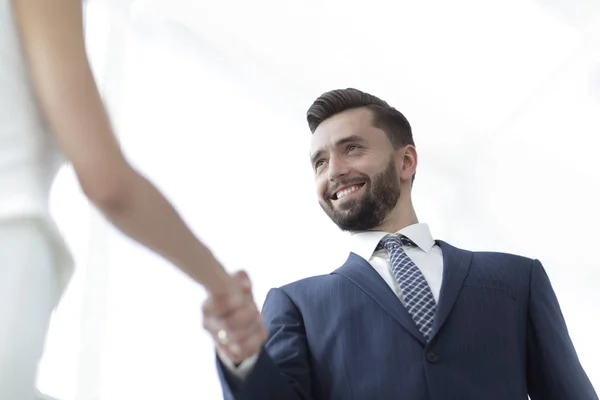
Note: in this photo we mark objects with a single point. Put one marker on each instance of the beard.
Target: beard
(369, 211)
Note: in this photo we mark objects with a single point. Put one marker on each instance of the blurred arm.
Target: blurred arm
(52, 38)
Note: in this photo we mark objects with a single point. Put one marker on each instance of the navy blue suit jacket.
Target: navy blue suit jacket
(498, 334)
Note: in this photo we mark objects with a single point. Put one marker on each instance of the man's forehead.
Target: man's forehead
(349, 123)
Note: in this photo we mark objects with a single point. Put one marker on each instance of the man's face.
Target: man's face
(355, 171)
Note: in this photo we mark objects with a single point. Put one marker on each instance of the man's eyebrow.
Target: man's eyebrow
(349, 139)
(316, 155)
(353, 138)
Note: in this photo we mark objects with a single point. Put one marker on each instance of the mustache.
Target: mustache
(346, 182)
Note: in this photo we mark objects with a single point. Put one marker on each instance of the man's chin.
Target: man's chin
(346, 221)
(347, 206)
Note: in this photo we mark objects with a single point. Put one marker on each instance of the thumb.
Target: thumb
(243, 279)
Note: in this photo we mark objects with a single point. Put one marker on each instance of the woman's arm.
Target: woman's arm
(52, 37)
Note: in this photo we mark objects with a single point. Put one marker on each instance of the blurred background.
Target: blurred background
(209, 99)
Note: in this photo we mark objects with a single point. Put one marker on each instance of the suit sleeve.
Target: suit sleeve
(282, 369)
(237, 372)
(553, 368)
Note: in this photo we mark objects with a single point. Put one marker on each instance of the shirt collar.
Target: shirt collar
(364, 243)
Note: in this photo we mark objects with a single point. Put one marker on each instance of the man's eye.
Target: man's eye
(319, 163)
(352, 147)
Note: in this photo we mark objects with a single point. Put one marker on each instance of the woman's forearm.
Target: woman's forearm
(51, 34)
(140, 211)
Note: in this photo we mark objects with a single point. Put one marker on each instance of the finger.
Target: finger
(224, 305)
(236, 324)
(239, 323)
(212, 325)
(238, 352)
(245, 338)
(252, 325)
(251, 343)
(231, 350)
(226, 351)
(243, 279)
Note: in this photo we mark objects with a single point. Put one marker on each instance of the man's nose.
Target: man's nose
(337, 168)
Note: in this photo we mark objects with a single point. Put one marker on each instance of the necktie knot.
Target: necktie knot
(393, 241)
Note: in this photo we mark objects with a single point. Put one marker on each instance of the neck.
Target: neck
(401, 216)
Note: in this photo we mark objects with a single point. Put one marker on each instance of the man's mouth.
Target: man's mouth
(346, 191)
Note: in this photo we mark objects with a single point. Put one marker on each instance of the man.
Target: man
(405, 317)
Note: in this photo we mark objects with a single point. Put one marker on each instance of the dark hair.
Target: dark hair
(385, 117)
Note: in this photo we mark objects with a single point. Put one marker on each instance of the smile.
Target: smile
(345, 191)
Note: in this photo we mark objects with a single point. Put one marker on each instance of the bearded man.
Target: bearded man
(406, 316)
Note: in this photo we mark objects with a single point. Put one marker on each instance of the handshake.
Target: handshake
(234, 321)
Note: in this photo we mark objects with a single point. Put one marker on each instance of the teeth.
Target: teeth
(347, 191)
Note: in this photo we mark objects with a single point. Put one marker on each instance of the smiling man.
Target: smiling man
(357, 166)
(406, 316)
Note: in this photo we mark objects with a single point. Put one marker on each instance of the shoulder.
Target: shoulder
(491, 258)
(497, 265)
(502, 259)
(506, 267)
(291, 301)
(304, 292)
(310, 285)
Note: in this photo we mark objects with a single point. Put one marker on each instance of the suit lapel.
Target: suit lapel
(363, 275)
(456, 266)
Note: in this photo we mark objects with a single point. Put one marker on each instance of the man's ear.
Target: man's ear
(407, 159)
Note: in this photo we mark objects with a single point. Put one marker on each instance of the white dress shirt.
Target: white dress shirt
(426, 255)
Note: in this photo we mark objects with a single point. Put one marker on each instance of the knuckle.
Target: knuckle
(229, 324)
(207, 322)
(221, 305)
(237, 338)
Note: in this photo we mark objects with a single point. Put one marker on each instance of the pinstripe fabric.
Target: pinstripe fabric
(498, 335)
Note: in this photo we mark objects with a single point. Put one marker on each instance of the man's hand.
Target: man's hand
(234, 322)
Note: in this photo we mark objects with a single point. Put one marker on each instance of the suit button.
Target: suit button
(432, 357)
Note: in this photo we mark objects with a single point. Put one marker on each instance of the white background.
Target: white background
(209, 100)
